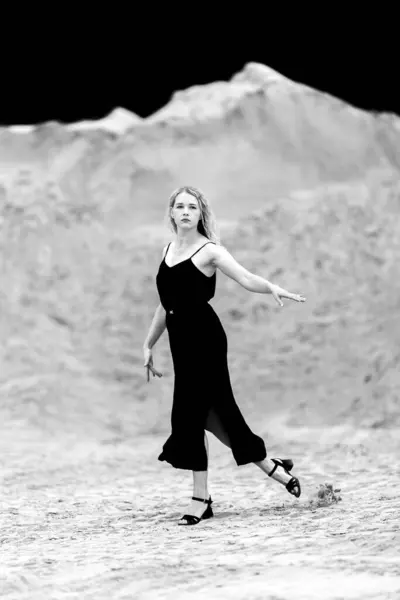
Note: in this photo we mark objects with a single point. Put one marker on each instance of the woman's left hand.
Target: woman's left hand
(278, 293)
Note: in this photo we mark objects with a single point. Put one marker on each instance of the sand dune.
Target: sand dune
(256, 136)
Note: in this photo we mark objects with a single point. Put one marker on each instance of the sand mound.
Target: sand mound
(307, 190)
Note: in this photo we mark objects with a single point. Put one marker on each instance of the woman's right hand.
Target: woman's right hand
(148, 364)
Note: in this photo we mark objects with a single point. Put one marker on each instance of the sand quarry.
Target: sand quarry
(93, 520)
(87, 510)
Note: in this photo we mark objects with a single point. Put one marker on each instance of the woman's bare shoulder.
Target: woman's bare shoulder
(164, 250)
(216, 251)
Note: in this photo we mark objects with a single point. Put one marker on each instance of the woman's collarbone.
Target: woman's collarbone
(204, 265)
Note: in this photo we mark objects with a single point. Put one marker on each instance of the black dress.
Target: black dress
(199, 354)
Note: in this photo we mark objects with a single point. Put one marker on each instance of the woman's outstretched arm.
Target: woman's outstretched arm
(223, 260)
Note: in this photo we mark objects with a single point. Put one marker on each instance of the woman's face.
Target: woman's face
(186, 211)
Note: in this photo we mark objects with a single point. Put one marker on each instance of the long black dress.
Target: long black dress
(199, 354)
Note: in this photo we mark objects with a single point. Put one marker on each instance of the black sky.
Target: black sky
(68, 76)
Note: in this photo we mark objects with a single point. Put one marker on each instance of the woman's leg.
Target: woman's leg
(280, 475)
(214, 425)
(200, 490)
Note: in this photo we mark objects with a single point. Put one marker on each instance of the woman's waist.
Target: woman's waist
(189, 307)
(180, 308)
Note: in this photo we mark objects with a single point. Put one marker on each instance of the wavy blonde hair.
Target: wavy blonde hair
(207, 224)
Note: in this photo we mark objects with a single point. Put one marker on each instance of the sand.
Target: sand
(85, 519)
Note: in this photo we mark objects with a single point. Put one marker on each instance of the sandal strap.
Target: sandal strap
(191, 519)
(294, 482)
(209, 501)
(275, 467)
(285, 463)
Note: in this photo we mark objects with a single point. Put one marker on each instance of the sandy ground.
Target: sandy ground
(84, 519)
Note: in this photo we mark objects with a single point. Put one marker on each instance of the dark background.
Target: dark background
(70, 73)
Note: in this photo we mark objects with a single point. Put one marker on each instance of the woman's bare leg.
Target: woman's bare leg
(200, 490)
(214, 425)
(280, 475)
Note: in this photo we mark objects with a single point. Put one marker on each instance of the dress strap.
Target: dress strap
(201, 248)
(167, 250)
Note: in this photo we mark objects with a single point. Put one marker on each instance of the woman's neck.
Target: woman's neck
(186, 241)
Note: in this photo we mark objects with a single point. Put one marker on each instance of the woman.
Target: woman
(203, 397)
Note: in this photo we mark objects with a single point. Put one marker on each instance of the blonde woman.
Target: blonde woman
(203, 397)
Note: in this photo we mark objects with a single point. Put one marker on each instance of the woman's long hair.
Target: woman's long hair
(207, 224)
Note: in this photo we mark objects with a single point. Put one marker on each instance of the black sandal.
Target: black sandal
(192, 520)
(287, 465)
